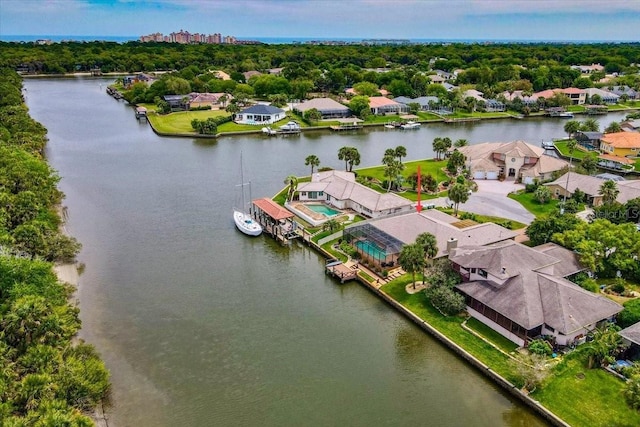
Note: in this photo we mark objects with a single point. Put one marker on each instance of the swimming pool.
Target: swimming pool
(371, 249)
(323, 209)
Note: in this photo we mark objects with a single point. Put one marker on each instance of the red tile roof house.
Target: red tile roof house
(211, 100)
(522, 292)
(381, 106)
(577, 96)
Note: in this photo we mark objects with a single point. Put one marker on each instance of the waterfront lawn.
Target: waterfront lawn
(489, 334)
(451, 326)
(180, 122)
(530, 203)
(578, 154)
(427, 166)
(593, 401)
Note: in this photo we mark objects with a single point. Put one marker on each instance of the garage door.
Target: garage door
(492, 175)
(478, 175)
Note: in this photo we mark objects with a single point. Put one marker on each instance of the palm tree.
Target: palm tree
(461, 143)
(350, 155)
(590, 125)
(400, 152)
(312, 160)
(429, 246)
(571, 127)
(458, 193)
(571, 145)
(609, 191)
(392, 169)
(411, 259)
(292, 182)
(613, 128)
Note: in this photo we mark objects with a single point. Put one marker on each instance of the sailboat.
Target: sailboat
(242, 218)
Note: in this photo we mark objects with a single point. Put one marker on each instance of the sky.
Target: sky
(561, 20)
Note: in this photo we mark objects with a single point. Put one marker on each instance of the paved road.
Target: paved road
(491, 199)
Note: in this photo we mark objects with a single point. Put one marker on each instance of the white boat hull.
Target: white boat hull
(246, 224)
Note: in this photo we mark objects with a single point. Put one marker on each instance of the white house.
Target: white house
(260, 114)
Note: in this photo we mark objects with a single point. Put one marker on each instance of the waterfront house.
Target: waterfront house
(565, 186)
(575, 95)
(340, 189)
(381, 240)
(621, 144)
(631, 125)
(513, 160)
(381, 105)
(589, 140)
(626, 90)
(211, 100)
(522, 293)
(260, 114)
(427, 103)
(329, 108)
(606, 96)
(177, 102)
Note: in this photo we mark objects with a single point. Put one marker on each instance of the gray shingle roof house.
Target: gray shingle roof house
(260, 114)
(328, 107)
(590, 185)
(389, 234)
(521, 292)
(340, 189)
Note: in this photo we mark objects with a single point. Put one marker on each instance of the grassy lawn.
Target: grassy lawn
(429, 166)
(532, 205)
(450, 326)
(180, 122)
(593, 401)
(489, 334)
(578, 154)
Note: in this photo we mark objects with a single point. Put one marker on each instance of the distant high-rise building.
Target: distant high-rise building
(185, 37)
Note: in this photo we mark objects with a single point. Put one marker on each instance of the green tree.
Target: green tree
(313, 161)
(393, 167)
(589, 163)
(542, 194)
(429, 246)
(331, 225)
(366, 89)
(445, 300)
(456, 162)
(613, 128)
(292, 182)
(590, 125)
(571, 127)
(351, 157)
(461, 143)
(632, 391)
(312, 115)
(400, 152)
(412, 260)
(605, 345)
(609, 191)
(359, 106)
(441, 145)
(458, 193)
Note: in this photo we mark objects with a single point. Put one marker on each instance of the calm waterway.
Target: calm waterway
(201, 325)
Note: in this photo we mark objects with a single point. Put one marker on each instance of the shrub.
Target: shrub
(540, 347)
(630, 314)
(618, 286)
(445, 300)
(530, 188)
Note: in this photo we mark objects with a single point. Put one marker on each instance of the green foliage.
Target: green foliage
(445, 299)
(542, 194)
(205, 127)
(45, 379)
(630, 314)
(540, 347)
(632, 392)
(542, 229)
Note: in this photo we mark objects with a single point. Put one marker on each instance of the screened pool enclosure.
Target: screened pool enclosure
(374, 245)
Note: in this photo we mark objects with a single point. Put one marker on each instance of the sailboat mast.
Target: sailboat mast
(241, 182)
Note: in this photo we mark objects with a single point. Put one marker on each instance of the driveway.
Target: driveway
(491, 199)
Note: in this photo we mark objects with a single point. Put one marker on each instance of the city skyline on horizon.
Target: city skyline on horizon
(532, 20)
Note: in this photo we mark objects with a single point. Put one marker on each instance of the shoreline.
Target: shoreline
(480, 366)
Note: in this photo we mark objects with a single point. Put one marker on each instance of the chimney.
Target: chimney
(504, 270)
(452, 243)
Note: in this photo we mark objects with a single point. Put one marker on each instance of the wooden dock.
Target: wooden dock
(354, 126)
(339, 270)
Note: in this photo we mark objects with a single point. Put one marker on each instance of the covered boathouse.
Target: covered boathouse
(275, 220)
